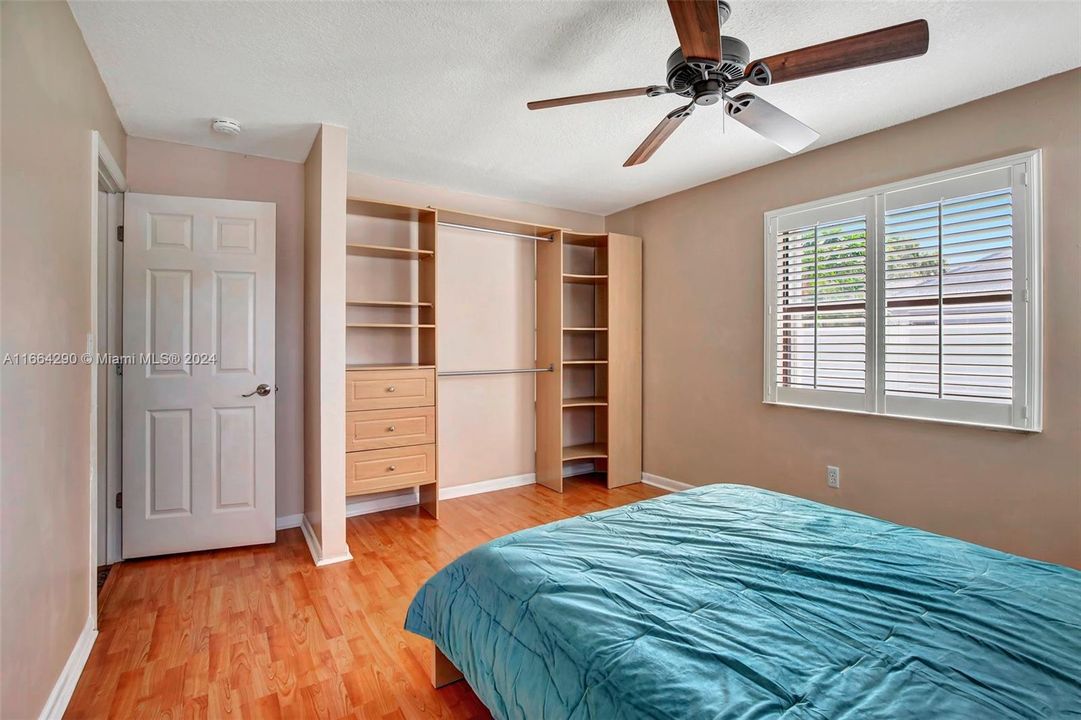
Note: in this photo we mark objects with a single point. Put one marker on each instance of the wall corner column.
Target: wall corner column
(324, 346)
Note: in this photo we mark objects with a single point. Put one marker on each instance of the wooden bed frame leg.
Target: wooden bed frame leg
(443, 670)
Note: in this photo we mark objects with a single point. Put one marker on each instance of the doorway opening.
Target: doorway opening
(105, 341)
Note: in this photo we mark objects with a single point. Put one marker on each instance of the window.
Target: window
(918, 299)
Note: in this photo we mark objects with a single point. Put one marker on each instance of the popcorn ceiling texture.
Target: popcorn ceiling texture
(436, 92)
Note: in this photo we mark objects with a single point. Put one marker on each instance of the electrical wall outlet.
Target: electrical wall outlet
(833, 476)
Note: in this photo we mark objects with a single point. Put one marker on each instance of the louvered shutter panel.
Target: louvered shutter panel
(949, 291)
(820, 308)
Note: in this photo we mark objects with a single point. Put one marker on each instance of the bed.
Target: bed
(727, 601)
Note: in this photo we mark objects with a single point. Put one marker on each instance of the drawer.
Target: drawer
(377, 470)
(375, 429)
(382, 389)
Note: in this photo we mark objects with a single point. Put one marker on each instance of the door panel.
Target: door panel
(199, 299)
(234, 458)
(234, 322)
(168, 451)
(168, 320)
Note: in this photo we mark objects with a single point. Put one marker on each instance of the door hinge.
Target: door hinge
(119, 500)
(1024, 179)
(120, 233)
(120, 369)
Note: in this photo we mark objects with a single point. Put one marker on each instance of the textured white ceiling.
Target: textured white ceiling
(435, 92)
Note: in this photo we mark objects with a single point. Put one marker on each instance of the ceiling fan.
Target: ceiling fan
(707, 67)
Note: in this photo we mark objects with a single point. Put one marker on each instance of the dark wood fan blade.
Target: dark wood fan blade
(589, 97)
(699, 29)
(870, 48)
(662, 132)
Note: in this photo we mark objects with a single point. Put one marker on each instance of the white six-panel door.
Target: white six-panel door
(198, 440)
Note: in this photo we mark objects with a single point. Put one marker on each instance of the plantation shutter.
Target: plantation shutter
(820, 306)
(918, 299)
(949, 282)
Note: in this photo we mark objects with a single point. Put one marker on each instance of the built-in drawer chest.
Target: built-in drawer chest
(390, 432)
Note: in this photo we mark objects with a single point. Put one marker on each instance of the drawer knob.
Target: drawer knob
(392, 468)
(390, 429)
(391, 388)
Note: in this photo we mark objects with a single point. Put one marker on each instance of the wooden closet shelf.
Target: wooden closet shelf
(388, 303)
(585, 362)
(585, 279)
(389, 325)
(585, 329)
(585, 402)
(386, 251)
(583, 240)
(582, 452)
(388, 366)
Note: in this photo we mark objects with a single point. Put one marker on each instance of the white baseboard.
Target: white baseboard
(505, 483)
(664, 483)
(69, 676)
(485, 486)
(286, 522)
(315, 549)
(364, 506)
(581, 468)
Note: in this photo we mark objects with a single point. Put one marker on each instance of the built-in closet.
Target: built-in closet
(577, 360)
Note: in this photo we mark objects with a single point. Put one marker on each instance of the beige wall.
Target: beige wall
(704, 417)
(52, 99)
(166, 168)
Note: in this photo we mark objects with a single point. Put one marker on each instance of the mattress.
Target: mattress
(727, 601)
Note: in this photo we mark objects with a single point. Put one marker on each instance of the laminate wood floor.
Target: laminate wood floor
(260, 632)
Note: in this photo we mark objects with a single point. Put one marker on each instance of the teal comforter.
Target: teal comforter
(728, 601)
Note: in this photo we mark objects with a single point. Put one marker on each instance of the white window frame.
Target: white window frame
(1025, 413)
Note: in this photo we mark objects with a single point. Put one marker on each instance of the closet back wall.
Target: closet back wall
(484, 293)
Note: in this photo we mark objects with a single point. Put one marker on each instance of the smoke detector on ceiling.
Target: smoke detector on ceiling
(225, 126)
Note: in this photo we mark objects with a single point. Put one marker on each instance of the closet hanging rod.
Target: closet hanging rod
(495, 232)
(512, 371)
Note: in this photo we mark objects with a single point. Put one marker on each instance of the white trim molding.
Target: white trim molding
(486, 486)
(314, 547)
(368, 505)
(62, 691)
(664, 483)
(288, 522)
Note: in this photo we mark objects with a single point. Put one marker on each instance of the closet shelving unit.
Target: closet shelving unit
(589, 326)
(391, 350)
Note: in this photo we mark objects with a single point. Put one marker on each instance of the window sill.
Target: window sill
(936, 421)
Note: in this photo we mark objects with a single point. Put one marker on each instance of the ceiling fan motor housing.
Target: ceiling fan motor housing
(687, 80)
